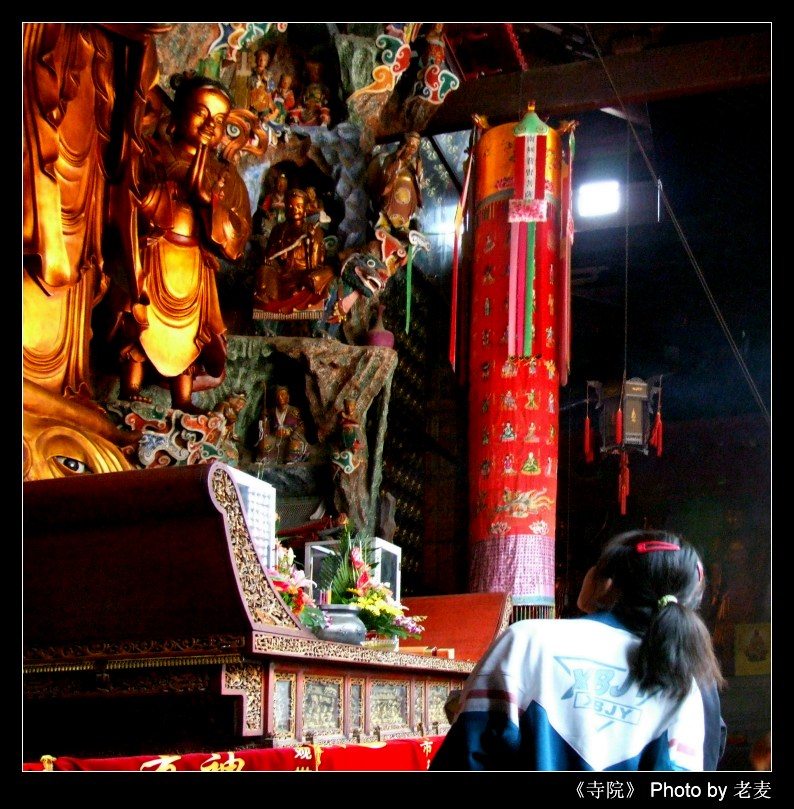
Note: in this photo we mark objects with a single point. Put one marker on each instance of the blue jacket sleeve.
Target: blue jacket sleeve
(478, 741)
(716, 729)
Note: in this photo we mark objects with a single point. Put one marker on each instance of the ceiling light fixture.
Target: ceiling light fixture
(598, 198)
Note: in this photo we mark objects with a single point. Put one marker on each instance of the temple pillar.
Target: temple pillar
(518, 345)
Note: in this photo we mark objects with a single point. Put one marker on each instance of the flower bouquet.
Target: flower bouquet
(346, 577)
(294, 588)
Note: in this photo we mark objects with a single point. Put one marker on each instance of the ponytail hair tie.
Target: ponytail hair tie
(665, 600)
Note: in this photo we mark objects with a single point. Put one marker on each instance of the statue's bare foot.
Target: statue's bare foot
(135, 396)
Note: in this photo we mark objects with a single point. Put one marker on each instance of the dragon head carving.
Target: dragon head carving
(365, 273)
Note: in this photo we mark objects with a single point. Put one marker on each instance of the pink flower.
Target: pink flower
(362, 582)
(299, 579)
(356, 558)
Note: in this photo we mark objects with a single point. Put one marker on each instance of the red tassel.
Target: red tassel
(619, 426)
(624, 470)
(623, 482)
(656, 434)
(588, 448)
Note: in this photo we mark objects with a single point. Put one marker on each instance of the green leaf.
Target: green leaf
(337, 572)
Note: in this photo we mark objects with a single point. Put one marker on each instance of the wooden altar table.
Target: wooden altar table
(151, 626)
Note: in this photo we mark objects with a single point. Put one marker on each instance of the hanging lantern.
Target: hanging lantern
(625, 414)
(624, 418)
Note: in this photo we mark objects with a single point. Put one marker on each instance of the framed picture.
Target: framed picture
(753, 649)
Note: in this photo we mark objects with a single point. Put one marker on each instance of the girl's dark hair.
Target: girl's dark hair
(646, 567)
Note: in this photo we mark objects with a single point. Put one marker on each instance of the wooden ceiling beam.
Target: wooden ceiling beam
(584, 86)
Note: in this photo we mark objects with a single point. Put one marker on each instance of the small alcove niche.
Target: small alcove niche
(320, 375)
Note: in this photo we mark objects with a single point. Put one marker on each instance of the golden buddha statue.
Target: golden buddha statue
(193, 209)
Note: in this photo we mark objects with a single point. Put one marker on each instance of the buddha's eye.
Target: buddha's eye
(73, 465)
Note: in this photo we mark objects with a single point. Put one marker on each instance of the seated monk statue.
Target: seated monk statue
(294, 275)
(194, 209)
(283, 432)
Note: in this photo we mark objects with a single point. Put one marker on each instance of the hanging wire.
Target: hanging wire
(626, 270)
(693, 261)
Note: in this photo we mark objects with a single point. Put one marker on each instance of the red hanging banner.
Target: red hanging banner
(566, 246)
(528, 206)
(459, 213)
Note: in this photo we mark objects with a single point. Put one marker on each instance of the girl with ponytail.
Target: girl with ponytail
(631, 685)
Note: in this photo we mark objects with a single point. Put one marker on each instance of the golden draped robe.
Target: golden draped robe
(173, 315)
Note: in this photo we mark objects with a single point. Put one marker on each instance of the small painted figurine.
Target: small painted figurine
(434, 45)
(284, 98)
(347, 455)
(283, 438)
(315, 209)
(314, 109)
(230, 409)
(399, 188)
(262, 86)
(274, 206)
